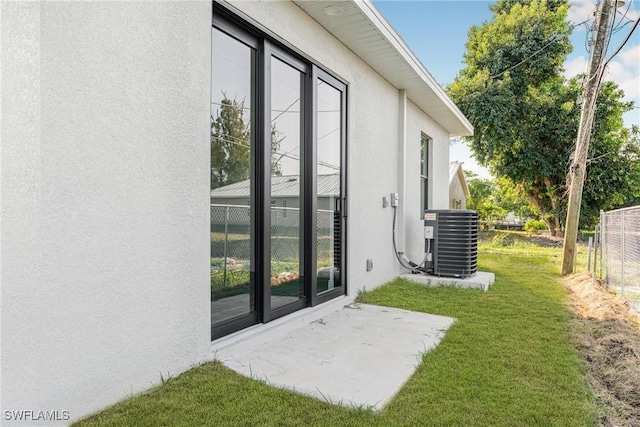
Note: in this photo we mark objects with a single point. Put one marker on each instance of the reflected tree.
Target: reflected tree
(231, 144)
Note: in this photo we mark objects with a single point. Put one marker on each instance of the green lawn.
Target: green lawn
(507, 361)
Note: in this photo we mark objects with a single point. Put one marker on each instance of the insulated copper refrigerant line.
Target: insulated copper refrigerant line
(412, 265)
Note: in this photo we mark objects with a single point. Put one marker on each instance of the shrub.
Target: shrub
(235, 277)
(534, 225)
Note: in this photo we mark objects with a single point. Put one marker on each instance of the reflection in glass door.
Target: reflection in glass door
(278, 134)
(233, 290)
(329, 196)
(287, 243)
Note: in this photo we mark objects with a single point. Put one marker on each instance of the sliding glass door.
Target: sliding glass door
(234, 290)
(278, 202)
(287, 135)
(330, 198)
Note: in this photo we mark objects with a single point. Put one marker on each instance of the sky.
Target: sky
(436, 32)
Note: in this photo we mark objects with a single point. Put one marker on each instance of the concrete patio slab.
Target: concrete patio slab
(358, 356)
(481, 280)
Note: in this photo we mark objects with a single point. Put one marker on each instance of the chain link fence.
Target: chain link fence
(231, 242)
(620, 253)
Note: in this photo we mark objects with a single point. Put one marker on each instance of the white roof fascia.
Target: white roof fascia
(456, 171)
(422, 88)
(383, 26)
(465, 187)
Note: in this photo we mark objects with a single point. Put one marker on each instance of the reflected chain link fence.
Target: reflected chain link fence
(620, 249)
(231, 238)
(230, 234)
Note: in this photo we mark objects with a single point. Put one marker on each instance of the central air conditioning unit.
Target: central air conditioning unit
(451, 242)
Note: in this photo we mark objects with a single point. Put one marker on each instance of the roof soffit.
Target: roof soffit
(365, 32)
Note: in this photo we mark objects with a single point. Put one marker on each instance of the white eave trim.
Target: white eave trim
(412, 61)
(424, 88)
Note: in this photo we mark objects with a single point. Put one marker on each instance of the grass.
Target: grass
(238, 278)
(217, 236)
(507, 361)
(291, 288)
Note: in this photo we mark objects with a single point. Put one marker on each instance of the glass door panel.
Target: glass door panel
(287, 281)
(329, 198)
(233, 290)
(278, 135)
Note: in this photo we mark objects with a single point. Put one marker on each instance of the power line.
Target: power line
(285, 110)
(280, 153)
(326, 135)
(635, 25)
(621, 27)
(624, 16)
(576, 175)
(554, 38)
(277, 111)
(587, 37)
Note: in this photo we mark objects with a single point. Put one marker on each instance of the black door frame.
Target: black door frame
(267, 45)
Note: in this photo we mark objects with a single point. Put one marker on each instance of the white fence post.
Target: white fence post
(597, 245)
(622, 261)
(226, 225)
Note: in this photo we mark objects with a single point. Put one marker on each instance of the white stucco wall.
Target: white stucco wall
(104, 236)
(373, 117)
(419, 123)
(104, 189)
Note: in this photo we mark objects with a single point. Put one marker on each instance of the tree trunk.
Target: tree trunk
(552, 222)
(555, 229)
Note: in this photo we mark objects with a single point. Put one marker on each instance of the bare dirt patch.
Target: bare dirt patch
(591, 300)
(607, 334)
(546, 240)
(505, 238)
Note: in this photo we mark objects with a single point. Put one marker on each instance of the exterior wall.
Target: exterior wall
(105, 190)
(372, 120)
(419, 123)
(105, 276)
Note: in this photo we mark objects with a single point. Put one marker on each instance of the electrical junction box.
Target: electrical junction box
(428, 232)
(369, 264)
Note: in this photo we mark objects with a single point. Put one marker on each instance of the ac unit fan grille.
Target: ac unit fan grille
(455, 244)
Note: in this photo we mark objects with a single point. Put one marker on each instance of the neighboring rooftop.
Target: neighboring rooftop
(281, 186)
(455, 170)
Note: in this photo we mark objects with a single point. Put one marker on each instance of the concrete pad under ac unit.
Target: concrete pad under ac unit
(480, 280)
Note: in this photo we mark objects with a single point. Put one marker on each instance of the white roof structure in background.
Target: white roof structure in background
(281, 186)
(456, 172)
(363, 29)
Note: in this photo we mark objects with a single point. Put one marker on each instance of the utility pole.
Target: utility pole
(579, 161)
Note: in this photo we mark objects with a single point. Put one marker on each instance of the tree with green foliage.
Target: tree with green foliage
(526, 115)
(231, 145)
(508, 89)
(511, 198)
(482, 198)
(494, 199)
(480, 189)
(613, 163)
